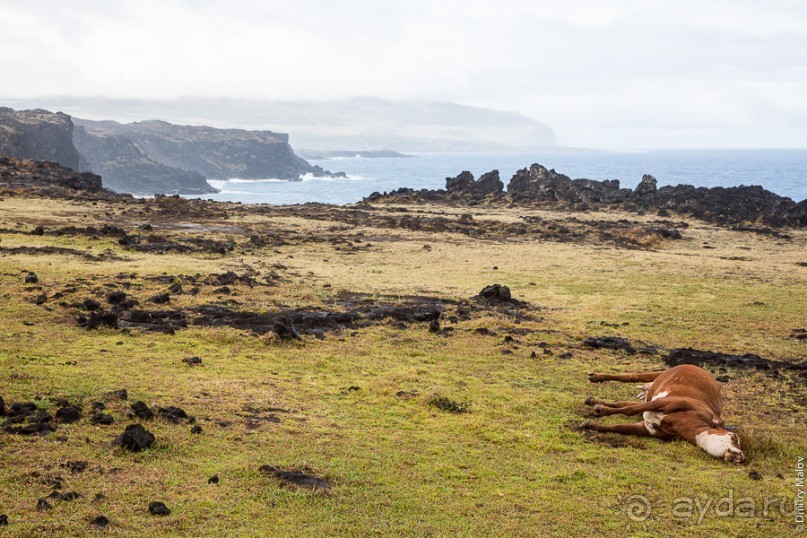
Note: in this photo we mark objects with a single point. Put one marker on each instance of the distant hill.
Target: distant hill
(362, 123)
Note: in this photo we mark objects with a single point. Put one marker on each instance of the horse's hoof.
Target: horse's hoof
(588, 425)
(590, 400)
(592, 377)
(597, 409)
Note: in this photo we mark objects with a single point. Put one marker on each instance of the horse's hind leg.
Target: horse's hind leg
(625, 429)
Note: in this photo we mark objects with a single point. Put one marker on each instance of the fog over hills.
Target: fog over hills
(363, 123)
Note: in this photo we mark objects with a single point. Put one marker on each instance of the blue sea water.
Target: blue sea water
(781, 171)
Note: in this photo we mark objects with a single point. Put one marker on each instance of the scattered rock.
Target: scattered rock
(43, 504)
(172, 414)
(296, 479)
(193, 361)
(64, 497)
(116, 298)
(722, 378)
(31, 278)
(120, 394)
(102, 419)
(406, 394)
(799, 334)
(496, 293)
(75, 466)
(68, 414)
(90, 305)
(162, 298)
(135, 438)
(3, 520)
(754, 475)
(213, 479)
(157, 508)
(196, 430)
(609, 342)
(142, 411)
(100, 522)
(448, 405)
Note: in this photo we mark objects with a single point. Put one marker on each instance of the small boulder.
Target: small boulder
(496, 293)
(157, 508)
(102, 419)
(31, 278)
(100, 522)
(68, 414)
(135, 438)
(142, 411)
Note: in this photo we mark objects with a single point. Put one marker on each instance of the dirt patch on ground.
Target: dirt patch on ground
(41, 251)
(746, 361)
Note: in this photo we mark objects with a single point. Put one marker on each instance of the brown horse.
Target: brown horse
(682, 402)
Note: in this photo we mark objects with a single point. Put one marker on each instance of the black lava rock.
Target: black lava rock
(116, 298)
(31, 278)
(609, 342)
(120, 394)
(135, 438)
(496, 292)
(213, 479)
(172, 414)
(100, 522)
(157, 508)
(142, 411)
(102, 419)
(68, 414)
(91, 305)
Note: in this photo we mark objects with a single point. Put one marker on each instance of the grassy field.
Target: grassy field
(355, 406)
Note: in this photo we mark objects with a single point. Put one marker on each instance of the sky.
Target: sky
(601, 73)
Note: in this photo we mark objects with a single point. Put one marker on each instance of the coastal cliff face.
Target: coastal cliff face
(213, 153)
(39, 135)
(125, 167)
(539, 186)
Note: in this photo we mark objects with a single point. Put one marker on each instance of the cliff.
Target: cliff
(38, 134)
(539, 186)
(213, 153)
(125, 167)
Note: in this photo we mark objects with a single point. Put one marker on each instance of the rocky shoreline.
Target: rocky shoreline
(538, 186)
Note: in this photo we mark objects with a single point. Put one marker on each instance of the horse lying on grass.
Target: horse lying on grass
(682, 402)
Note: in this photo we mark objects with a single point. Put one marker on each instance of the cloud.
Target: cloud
(588, 68)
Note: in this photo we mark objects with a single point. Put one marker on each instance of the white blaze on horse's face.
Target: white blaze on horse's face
(723, 444)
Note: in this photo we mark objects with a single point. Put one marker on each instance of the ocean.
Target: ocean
(783, 172)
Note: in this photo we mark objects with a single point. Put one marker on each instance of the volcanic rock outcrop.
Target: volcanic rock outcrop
(539, 186)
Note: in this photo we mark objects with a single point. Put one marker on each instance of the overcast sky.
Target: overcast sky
(601, 73)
